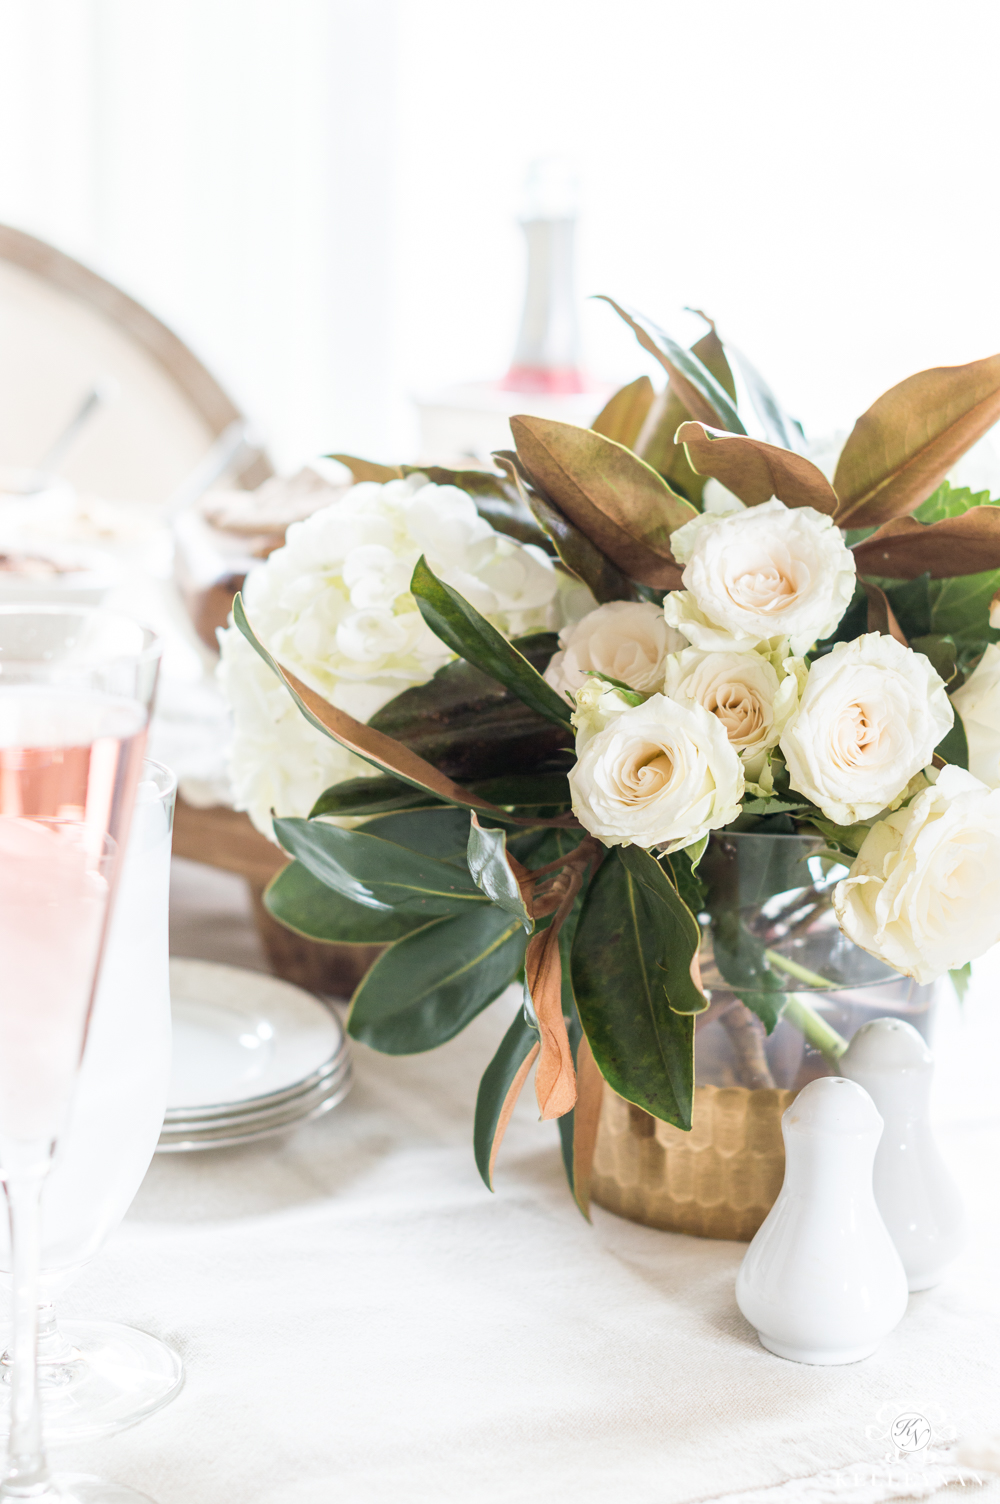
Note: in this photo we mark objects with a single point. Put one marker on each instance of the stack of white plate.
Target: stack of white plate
(253, 1056)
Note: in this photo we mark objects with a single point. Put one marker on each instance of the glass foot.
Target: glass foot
(103, 1378)
(79, 1488)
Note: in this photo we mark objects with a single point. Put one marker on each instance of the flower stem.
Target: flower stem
(801, 973)
(817, 1031)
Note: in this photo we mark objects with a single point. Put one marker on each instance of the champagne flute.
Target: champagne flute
(75, 689)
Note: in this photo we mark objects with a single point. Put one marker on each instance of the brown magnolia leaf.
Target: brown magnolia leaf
(995, 611)
(586, 1119)
(881, 617)
(613, 497)
(509, 1103)
(375, 747)
(900, 450)
(623, 415)
(657, 444)
(703, 395)
(555, 1078)
(368, 469)
(580, 556)
(755, 471)
(905, 548)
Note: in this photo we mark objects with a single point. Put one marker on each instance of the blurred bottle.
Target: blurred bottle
(546, 357)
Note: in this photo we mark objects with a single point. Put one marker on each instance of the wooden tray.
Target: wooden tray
(224, 838)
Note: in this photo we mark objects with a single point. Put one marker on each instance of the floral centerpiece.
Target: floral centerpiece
(625, 649)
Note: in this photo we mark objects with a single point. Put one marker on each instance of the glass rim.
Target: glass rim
(169, 776)
(151, 650)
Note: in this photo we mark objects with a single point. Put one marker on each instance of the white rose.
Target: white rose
(978, 703)
(924, 891)
(764, 572)
(627, 640)
(752, 695)
(660, 774)
(870, 716)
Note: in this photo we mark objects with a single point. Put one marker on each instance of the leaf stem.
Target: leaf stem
(817, 1031)
(801, 973)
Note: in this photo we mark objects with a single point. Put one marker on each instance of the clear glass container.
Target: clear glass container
(771, 941)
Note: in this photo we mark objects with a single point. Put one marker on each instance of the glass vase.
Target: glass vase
(787, 990)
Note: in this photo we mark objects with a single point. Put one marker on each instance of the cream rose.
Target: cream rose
(626, 640)
(764, 572)
(660, 774)
(870, 716)
(924, 891)
(751, 694)
(978, 703)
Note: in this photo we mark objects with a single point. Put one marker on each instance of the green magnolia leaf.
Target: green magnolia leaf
(388, 756)
(618, 501)
(491, 871)
(621, 418)
(954, 746)
(429, 985)
(657, 444)
(474, 728)
(942, 653)
(527, 790)
(950, 501)
(960, 609)
(581, 557)
(441, 832)
(911, 604)
(460, 626)
(778, 427)
(901, 449)
(375, 873)
(677, 928)
(961, 976)
(684, 873)
(772, 807)
(846, 839)
(644, 1049)
(703, 396)
(370, 796)
(499, 1089)
(303, 904)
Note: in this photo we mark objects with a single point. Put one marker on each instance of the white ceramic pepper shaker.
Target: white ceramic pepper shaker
(914, 1191)
(822, 1281)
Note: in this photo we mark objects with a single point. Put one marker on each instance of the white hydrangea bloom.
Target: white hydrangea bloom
(333, 606)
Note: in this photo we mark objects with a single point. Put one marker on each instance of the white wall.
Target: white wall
(319, 194)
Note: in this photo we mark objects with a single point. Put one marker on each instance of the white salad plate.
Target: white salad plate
(252, 1056)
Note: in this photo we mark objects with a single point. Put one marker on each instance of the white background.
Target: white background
(321, 195)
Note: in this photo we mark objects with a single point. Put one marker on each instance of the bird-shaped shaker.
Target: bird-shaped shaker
(822, 1281)
(914, 1191)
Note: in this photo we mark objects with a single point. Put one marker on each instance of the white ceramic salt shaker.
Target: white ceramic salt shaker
(822, 1281)
(914, 1190)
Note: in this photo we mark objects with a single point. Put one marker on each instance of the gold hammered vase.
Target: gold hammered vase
(718, 1181)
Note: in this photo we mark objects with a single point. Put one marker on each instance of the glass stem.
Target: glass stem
(816, 1029)
(27, 1470)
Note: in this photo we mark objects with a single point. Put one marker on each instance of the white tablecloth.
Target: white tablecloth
(361, 1321)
